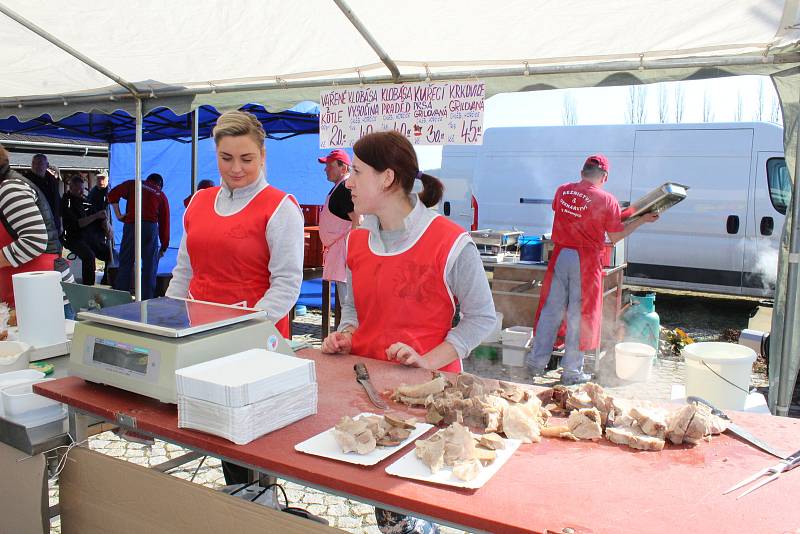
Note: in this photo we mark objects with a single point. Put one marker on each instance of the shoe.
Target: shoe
(536, 371)
(572, 380)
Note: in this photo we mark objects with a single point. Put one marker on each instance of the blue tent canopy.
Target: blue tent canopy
(162, 123)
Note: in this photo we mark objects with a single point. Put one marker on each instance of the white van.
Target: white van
(723, 238)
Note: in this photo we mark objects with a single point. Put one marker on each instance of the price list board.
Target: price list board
(427, 113)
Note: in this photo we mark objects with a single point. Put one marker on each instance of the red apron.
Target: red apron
(43, 262)
(229, 254)
(404, 296)
(591, 294)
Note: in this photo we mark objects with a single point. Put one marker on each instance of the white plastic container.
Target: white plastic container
(23, 406)
(719, 373)
(514, 340)
(14, 356)
(634, 361)
(13, 378)
(496, 334)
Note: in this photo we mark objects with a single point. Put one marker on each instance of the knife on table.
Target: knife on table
(362, 377)
(739, 431)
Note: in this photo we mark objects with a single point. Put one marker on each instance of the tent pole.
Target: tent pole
(784, 396)
(195, 132)
(371, 41)
(137, 249)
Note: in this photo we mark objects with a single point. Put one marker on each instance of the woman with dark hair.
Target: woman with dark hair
(406, 268)
(28, 233)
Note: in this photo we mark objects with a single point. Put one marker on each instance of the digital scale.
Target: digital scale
(138, 346)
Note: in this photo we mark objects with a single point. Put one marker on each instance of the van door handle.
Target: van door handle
(446, 208)
(733, 224)
(767, 225)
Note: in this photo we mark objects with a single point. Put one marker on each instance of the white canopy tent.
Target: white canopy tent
(88, 56)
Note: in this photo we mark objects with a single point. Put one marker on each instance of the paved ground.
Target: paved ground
(353, 516)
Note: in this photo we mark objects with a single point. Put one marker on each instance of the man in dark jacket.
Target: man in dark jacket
(77, 230)
(47, 182)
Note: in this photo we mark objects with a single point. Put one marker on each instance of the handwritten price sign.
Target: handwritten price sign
(435, 113)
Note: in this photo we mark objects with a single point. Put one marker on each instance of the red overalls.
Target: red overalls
(403, 297)
(229, 254)
(43, 262)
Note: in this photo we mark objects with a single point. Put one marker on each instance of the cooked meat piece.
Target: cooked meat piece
(411, 401)
(585, 424)
(433, 416)
(417, 391)
(396, 420)
(485, 456)
(678, 421)
(365, 442)
(602, 401)
(467, 469)
(652, 421)
(492, 441)
(459, 444)
(431, 451)
(633, 437)
(520, 422)
(512, 392)
(553, 431)
(351, 426)
(579, 399)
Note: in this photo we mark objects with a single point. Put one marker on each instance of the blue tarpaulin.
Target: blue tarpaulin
(161, 123)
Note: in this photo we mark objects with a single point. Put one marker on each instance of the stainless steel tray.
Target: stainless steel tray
(658, 200)
(500, 238)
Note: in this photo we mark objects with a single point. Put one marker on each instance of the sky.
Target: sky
(718, 100)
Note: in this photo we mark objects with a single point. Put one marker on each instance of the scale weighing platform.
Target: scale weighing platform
(138, 346)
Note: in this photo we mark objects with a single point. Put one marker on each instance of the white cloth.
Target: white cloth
(284, 237)
(465, 277)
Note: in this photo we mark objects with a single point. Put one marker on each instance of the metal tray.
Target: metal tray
(658, 200)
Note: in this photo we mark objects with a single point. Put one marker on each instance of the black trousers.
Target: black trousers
(88, 250)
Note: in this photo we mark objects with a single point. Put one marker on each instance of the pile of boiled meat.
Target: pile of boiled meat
(364, 434)
(493, 406)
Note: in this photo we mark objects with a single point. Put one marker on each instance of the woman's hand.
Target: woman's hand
(404, 354)
(338, 343)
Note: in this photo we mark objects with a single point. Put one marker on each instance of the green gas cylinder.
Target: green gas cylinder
(641, 321)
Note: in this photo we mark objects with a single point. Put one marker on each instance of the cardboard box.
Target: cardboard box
(101, 494)
(24, 505)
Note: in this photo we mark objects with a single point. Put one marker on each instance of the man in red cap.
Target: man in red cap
(335, 222)
(584, 214)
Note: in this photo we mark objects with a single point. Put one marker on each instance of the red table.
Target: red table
(545, 487)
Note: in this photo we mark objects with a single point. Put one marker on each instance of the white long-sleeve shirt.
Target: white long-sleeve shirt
(284, 237)
(465, 277)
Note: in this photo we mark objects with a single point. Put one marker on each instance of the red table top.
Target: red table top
(547, 486)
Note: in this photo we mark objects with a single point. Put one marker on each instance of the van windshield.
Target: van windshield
(780, 186)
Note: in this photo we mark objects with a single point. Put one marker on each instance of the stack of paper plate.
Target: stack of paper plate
(243, 396)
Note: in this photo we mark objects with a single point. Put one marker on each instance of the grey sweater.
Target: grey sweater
(464, 276)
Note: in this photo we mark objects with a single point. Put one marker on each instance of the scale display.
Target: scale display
(124, 356)
(171, 317)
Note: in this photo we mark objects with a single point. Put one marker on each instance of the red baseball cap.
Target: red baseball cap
(336, 155)
(598, 160)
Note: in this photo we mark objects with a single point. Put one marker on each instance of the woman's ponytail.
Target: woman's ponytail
(432, 190)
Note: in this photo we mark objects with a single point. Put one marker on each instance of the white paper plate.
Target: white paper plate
(409, 466)
(324, 444)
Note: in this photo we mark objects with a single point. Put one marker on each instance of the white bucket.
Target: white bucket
(515, 339)
(719, 373)
(494, 336)
(14, 356)
(634, 361)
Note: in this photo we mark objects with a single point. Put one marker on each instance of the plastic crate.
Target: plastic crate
(312, 249)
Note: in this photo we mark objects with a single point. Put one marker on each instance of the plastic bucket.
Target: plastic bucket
(530, 248)
(719, 373)
(634, 361)
(514, 341)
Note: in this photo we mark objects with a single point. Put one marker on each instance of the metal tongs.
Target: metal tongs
(770, 472)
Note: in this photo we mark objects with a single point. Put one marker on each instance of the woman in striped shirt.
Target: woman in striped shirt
(28, 233)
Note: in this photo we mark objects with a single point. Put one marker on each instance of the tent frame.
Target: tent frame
(770, 61)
